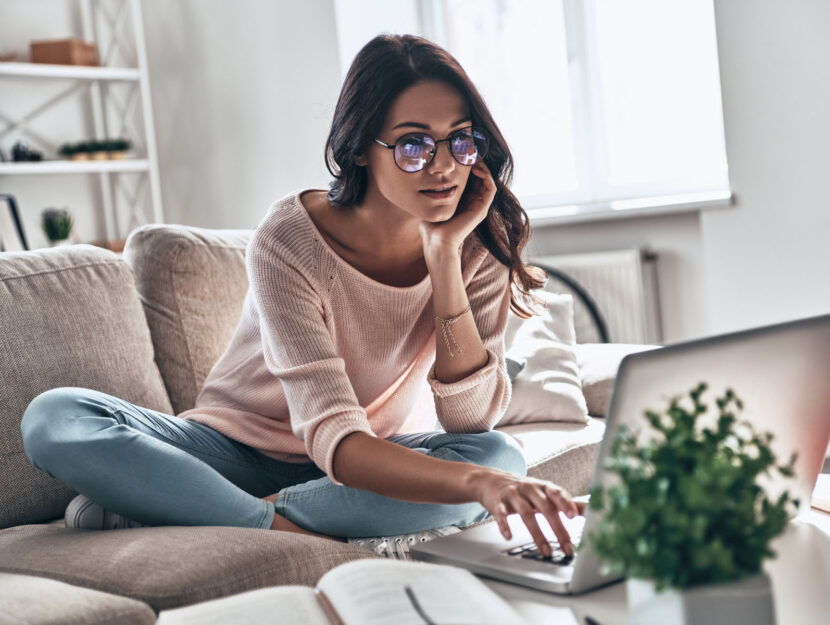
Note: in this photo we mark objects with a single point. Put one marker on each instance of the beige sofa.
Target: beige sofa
(148, 327)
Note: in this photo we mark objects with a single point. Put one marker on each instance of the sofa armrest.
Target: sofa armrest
(598, 364)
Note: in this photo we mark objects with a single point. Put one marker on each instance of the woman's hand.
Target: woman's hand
(472, 209)
(503, 493)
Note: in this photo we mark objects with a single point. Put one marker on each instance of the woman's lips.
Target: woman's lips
(439, 196)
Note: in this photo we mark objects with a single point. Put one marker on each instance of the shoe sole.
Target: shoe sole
(78, 515)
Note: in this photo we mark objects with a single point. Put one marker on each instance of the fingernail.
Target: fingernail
(568, 548)
(506, 534)
(570, 514)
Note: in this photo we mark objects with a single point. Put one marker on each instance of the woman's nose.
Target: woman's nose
(443, 160)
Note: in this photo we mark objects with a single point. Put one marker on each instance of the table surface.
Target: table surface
(800, 577)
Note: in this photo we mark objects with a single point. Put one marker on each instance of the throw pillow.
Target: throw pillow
(547, 387)
(598, 365)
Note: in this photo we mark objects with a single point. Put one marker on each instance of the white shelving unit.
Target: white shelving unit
(123, 60)
(75, 167)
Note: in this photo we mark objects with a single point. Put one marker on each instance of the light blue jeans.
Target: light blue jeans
(158, 469)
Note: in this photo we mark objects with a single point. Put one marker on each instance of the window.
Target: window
(600, 100)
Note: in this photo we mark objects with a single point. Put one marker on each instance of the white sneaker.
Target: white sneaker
(84, 513)
(397, 547)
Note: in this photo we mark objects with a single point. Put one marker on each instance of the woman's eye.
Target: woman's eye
(414, 146)
(463, 144)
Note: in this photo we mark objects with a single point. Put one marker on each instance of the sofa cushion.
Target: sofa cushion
(69, 316)
(547, 388)
(192, 282)
(598, 364)
(563, 453)
(172, 566)
(22, 598)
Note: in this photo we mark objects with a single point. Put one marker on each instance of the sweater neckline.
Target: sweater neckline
(342, 261)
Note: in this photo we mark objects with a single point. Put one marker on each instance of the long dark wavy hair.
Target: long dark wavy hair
(385, 67)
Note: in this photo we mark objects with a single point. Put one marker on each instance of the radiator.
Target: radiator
(622, 283)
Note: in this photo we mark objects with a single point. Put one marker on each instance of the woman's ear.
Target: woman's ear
(360, 160)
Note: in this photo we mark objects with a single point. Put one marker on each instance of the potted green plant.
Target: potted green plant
(684, 518)
(97, 150)
(117, 148)
(82, 151)
(57, 225)
(72, 151)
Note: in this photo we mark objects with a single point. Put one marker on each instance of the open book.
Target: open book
(364, 592)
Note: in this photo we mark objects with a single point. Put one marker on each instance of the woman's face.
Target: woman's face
(436, 109)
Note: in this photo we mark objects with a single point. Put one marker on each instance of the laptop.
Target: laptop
(782, 374)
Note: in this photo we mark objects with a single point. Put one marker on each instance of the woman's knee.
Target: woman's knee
(495, 449)
(40, 425)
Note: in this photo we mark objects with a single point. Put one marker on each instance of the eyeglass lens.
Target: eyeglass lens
(415, 151)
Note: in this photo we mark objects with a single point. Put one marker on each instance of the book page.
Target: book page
(379, 592)
(264, 606)
(821, 493)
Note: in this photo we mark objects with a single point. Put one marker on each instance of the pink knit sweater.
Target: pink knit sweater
(322, 350)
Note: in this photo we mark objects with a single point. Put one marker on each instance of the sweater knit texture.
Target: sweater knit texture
(323, 350)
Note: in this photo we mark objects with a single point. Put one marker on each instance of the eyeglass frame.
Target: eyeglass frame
(436, 142)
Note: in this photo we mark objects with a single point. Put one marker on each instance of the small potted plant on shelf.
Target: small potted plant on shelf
(684, 519)
(82, 151)
(97, 150)
(73, 152)
(117, 148)
(57, 226)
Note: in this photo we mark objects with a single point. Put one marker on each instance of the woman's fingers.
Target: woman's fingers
(551, 514)
(500, 514)
(562, 500)
(529, 497)
(528, 514)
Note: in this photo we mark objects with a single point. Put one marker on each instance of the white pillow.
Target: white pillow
(548, 387)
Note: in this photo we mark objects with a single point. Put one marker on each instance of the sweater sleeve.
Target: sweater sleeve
(300, 352)
(477, 402)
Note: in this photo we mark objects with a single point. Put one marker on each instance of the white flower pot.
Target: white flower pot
(61, 242)
(745, 602)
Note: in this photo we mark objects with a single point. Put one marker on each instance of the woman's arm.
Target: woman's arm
(450, 298)
(382, 467)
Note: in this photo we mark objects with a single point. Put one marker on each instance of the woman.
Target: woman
(374, 308)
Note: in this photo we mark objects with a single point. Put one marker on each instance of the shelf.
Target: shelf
(75, 72)
(73, 167)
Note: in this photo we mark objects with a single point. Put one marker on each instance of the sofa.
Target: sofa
(147, 326)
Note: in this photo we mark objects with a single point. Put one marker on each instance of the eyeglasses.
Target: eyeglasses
(416, 150)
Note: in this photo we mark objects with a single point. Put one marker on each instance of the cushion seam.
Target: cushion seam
(114, 263)
(170, 271)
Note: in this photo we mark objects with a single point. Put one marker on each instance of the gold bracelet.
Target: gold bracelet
(447, 330)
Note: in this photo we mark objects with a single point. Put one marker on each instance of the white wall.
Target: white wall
(768, 259)
(243, 94)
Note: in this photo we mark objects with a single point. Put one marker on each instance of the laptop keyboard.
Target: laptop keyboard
(531, 552)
